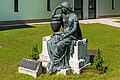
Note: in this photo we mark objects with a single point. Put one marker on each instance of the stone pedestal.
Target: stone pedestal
(44, 57)
(65, 71)
(30, 67)
(78, 60)
(80, 57)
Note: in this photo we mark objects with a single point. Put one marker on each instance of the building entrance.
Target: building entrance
(85, 9)
(91, 9)
(78, 8)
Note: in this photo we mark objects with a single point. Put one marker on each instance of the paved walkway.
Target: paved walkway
(106, 21)
(24, 24)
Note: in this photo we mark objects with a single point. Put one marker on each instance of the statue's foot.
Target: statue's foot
(50, 72)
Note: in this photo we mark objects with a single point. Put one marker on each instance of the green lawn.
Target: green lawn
(116, 19)
(16, 43)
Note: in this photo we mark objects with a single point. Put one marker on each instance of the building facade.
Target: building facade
(96, 8)
(22, 11)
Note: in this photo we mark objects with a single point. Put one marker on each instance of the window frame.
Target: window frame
(48, 5)
(16, 4)
(113, 4)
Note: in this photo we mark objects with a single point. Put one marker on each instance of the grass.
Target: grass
(116, 19)
(16, 43)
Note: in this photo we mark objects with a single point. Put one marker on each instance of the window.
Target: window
(113, 4)
(48, 5)
(16, 6)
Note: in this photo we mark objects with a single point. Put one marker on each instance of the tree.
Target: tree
(98, 60)
(35, 53)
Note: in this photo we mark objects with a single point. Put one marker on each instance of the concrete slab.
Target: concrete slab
(106, 21)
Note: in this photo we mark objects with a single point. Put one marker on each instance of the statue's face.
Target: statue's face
(64, 10)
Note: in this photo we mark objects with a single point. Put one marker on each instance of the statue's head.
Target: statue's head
(66, 7)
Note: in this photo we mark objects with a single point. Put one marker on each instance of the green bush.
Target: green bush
(98, 60)
(35, 53)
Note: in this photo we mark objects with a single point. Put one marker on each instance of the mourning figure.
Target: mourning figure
(60, 46)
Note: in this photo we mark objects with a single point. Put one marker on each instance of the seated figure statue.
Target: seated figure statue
(60, 45)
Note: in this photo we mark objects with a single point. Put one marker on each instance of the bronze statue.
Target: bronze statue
(60, 46)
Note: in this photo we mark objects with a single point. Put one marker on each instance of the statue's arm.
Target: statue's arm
(62, 22)
(57, 33)
(55, 10)
(75, 22)
(72, 31)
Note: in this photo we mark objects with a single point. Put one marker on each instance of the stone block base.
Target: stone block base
(77, 61)
(77, 64)
(65, 71)
(27, 70)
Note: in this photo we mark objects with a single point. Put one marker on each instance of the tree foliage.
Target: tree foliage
(35, 53)
(98, 60)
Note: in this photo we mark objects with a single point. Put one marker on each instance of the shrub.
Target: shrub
(98, 60)
(35, 53)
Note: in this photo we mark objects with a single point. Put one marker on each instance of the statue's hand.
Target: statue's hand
(57, 33)
(59, 7)
(63, 37)
(54, 12)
